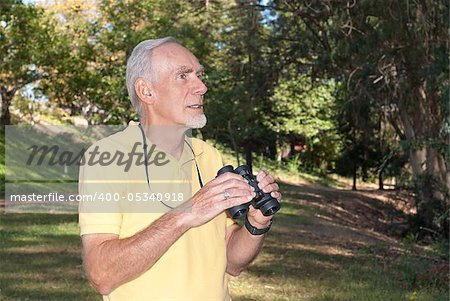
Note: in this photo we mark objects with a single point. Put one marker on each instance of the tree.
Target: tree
(303, 108)
(394, 55)
(358, 119)
(88, 79)
(242, 77)
(102, 35)
(29, 45)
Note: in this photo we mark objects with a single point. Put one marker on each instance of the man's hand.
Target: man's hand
(268, 185)
(210, 201)
(242, 247)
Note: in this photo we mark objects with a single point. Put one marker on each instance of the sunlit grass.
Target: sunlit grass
(40, 258)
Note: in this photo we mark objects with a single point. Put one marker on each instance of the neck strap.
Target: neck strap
(145, 146)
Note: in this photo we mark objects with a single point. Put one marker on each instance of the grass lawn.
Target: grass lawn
(322, 247)
(40, 258)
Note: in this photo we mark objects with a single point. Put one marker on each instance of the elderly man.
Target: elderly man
(180, 252)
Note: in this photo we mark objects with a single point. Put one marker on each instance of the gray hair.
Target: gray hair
(139, 64)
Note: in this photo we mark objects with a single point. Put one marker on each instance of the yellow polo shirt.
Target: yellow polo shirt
(193, 269)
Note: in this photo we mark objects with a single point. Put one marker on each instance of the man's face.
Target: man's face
(178, 90)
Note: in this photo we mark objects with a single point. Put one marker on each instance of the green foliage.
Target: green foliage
(302, 111)
(416, 271)
(293, 164)
(302, 107)
(241, 75)
(28, 45)
(392, 60)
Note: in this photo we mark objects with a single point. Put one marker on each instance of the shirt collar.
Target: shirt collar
(193, 148)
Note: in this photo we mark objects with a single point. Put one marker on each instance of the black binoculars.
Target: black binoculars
(262, 201)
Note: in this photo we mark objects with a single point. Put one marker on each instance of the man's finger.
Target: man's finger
(271, 187)
(276, 195)
(232, 184)
(251, 209)
(232, 202)
(236, 193)
(227, 176)
(266, 181)
(261, 175)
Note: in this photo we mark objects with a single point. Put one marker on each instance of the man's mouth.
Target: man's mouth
(195, 106)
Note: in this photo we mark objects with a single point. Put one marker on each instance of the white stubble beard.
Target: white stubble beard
(197, 121)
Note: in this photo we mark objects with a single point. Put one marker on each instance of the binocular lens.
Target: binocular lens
(262, 201)
(238, 211)
(227, 168)
(270, 207)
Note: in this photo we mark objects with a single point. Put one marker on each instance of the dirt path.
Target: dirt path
(345, 220)
(351, 223)
(338, 244)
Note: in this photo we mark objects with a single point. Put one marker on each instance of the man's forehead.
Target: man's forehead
(174, 56)
(184, 68)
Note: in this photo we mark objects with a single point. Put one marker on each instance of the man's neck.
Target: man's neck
(169, 138)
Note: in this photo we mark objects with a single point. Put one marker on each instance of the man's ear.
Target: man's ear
(143, 90)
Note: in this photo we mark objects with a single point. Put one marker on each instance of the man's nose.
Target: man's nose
(200, 87)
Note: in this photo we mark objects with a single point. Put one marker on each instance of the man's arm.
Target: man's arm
(110, 261)
(243, 247)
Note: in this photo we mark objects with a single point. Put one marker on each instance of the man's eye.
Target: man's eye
(182, 76)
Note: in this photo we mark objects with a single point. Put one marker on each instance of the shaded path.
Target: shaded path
(333, 244)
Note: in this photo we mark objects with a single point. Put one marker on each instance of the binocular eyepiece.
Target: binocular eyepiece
(262, 201)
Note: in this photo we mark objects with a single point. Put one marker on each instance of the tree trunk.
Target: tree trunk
(436, 167)
(417, 156)
(355, 168)
(380, 180)
(429, 168)
(5, 117)
(248, 156)
(233, 142)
